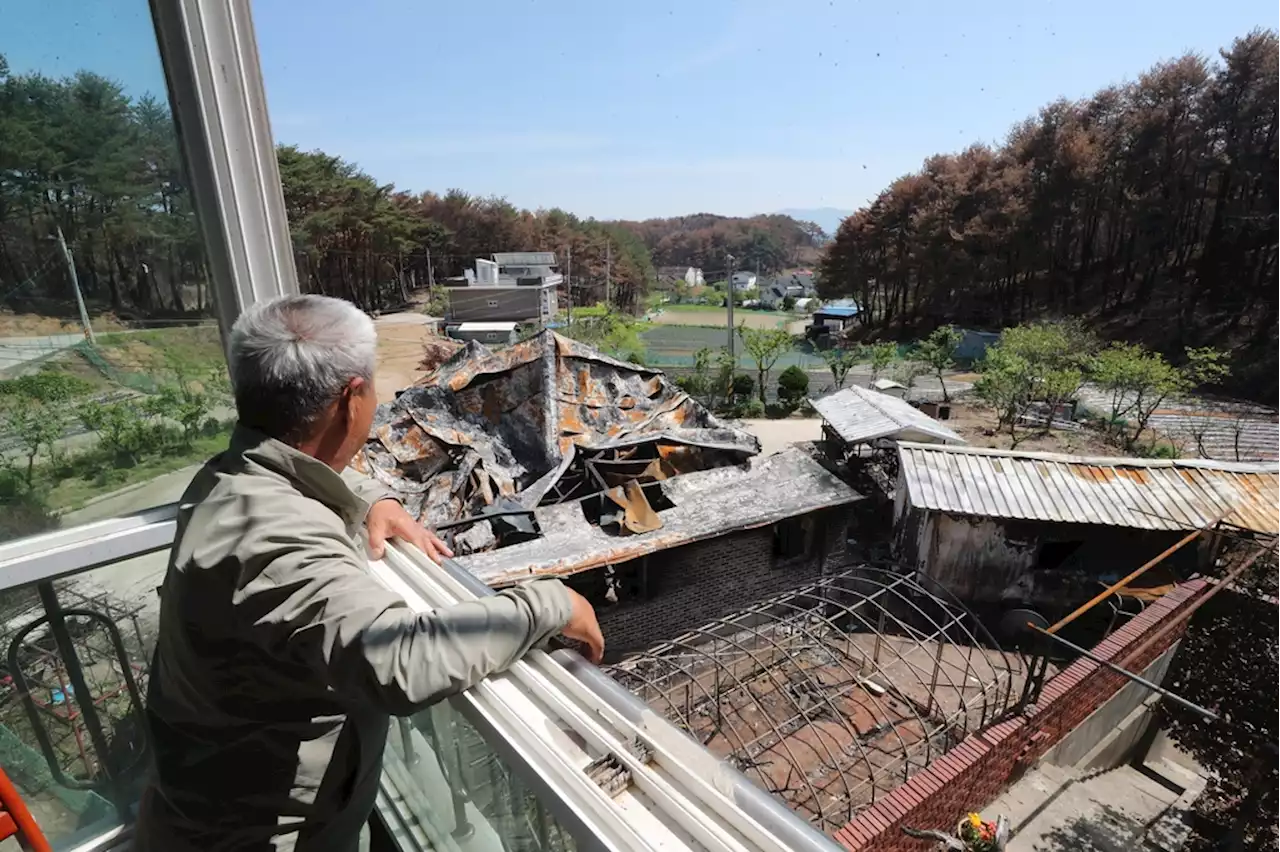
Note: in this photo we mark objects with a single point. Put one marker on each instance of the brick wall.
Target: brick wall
(692, 585)
(985, 764)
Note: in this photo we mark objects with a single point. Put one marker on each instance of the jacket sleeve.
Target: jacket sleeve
(307, 597)
(367, 488)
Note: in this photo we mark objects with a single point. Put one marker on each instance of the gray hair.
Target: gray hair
(291, 357)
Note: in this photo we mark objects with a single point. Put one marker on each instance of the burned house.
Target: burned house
(1048, 530)
(548, 458)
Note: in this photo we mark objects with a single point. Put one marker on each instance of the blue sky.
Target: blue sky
(645, 109)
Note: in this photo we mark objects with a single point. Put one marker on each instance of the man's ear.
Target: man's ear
(351, 397)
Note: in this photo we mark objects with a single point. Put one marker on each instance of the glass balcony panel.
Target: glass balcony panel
(451, 785)
(72, 731)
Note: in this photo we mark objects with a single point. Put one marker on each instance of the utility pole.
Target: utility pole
(729, 303)
(608, 274)
(431, 271)
(568, 281)
(75, 285)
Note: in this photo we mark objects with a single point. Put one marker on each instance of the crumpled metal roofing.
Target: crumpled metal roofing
(491, 428)
(859, 415)
(707, 504)
(1181, 494)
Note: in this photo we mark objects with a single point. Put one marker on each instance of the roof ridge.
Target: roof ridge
(1098, 461)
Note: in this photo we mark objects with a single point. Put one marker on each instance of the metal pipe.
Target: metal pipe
(1172, 623)
(1141, 681)
(30, 837)
(1148, 565)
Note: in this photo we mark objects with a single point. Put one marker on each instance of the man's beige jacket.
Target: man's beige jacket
(280, 658)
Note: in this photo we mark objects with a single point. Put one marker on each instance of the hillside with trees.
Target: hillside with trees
(1149, 210)
(773, 242)
(79, 154)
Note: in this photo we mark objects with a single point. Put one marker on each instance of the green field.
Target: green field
(675, 345)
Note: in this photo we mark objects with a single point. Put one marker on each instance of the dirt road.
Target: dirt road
(399, 352)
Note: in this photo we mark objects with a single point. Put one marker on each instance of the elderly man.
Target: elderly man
(280, 658)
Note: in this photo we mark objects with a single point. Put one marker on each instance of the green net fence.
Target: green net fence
(29, 772)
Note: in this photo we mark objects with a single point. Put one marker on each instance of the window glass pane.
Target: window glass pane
(452, 788)
(112, 379)
(78, 764)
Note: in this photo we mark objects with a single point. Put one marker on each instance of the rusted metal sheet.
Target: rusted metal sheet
(520, 421)
(1137, 493)
(707, 504)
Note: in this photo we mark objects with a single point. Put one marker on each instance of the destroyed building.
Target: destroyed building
(551, 459)
(1042, 529)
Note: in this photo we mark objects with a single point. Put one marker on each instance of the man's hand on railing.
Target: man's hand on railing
(388, 519)
(584, 628)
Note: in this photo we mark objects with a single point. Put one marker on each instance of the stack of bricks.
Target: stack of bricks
(985, 764)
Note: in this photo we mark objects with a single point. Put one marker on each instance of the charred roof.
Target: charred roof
(492, 434)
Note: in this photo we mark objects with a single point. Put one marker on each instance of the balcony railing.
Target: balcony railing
(551, 755)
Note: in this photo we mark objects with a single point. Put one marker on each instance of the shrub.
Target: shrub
(743, 386)
(752, 408)
(793, 386)
(778, 411)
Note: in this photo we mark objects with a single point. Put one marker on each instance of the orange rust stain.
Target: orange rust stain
(490, 405)
(1135, 474)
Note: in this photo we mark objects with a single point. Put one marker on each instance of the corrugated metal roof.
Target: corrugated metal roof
(837, 311)
(859, 415)
(1138, 493)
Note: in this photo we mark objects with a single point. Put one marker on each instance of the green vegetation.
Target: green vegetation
(133, 436)
(610, 332)
(1045, 364)
(765, 347)
(881, 355)
(938, 353)
(793, 387)
(1148, 208)
(839, 361)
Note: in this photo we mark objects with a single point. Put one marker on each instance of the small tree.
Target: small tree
(788, 303)
(839, 362)
(765, 346)
(1138, 382)
(793, 386)
(938, 351)
(908, 371)
(698, 383)
(36, 426)
(881, 356)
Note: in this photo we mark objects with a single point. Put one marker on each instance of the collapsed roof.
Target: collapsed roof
(491, 435)
(697, 506)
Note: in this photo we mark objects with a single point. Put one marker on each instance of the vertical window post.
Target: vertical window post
(210, 58)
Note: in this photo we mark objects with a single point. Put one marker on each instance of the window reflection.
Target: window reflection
(111, 367)
(451, 786)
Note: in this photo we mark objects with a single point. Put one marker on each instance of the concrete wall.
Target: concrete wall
(689, 586)
(1107, 737)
